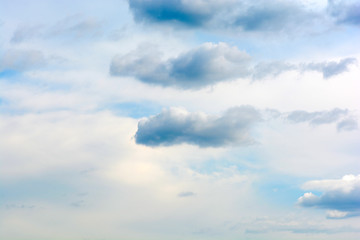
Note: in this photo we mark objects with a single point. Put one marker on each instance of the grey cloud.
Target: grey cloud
(272, 69)
(20, 60)
(207, 65)
(186, 194)
(274, 16)
(348, 124)
(176, 11)
(332, 68)
(176, 126)
(25, 32)
(341, 195)
(243, 15)
(317, 118)
(202, 66)
(345, 12)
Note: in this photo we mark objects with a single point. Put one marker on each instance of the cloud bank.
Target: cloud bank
(176, 126)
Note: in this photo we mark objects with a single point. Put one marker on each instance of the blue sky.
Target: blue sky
(202, 119)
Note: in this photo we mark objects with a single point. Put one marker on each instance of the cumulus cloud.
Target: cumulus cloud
(340, 196)
(20, 60)
(206, 65)
(317, 118)
(176, 126)
(345, 11)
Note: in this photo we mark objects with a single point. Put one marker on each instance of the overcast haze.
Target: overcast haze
(179, 119)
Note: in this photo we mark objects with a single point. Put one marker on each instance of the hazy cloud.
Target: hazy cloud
(342, 195)
(73, 26)
(202, 66)
(317, 118)
(348, 124)
(175, 126)
(20, 60)
(332, 68)
(186, 194)
(345, 11)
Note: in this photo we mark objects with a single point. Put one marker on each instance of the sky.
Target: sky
(179, 119)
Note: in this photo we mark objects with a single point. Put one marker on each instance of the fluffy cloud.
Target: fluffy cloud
(202, 66)
(340, 195)
(175, 126)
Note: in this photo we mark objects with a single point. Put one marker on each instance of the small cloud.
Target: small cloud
(186, 194)
(348, 124)
(176, 126)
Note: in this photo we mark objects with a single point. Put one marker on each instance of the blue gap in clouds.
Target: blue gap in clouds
(282, 190)
(135, 109)
(8, 73)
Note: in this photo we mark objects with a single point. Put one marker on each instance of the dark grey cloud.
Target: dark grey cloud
(339, 195)
(175, 11)
(202, 66)
(21, 60)
(317, 118)
(242, 15)
(348, 124)
(176, 126)
(345, 11)
(332, 68)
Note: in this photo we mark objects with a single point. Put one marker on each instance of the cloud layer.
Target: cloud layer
(176, 126)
